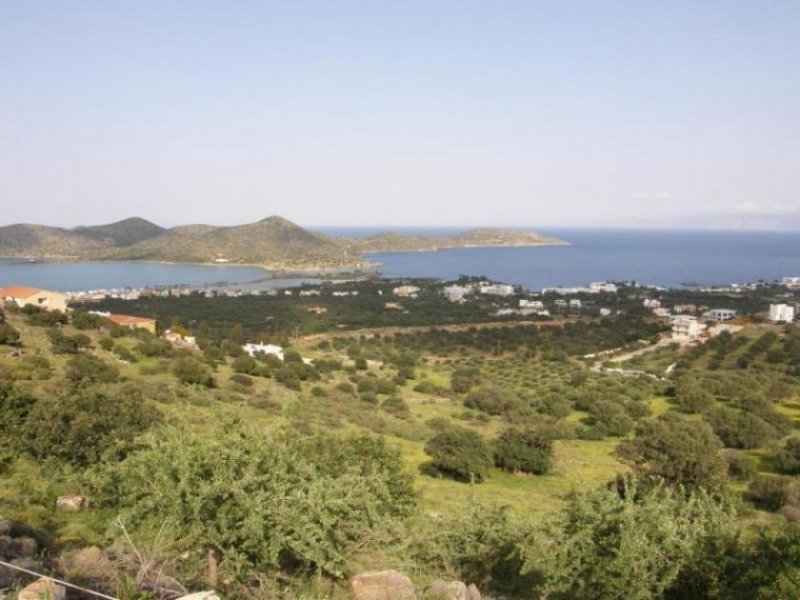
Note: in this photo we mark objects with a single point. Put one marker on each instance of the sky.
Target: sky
(415, 112)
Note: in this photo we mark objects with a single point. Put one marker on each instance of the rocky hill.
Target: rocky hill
(122, 233)
(273, 242)
(38, 241)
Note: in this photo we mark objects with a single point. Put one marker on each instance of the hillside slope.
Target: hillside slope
(25, 241)
(272, 242)
(474, 238)
(122, 233)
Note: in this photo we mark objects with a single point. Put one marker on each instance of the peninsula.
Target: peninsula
(272, 243)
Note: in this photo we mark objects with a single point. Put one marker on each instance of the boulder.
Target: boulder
(71, 503)
(44, 589)
(209, 595)
(447, 590)
(22, 547)
(382, 585)
(473, 593)
(5, 526)
(90, 565)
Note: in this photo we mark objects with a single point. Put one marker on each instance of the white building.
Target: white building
(605, 312)
(253, 349)
(406, 291)
(720, 314)
(456, 293)
(533, 304)
(575, 304)
(498, 289)
(602, 286)
(651, 303)
(792, 282)
(685, 327)
(781, 313)
(661, 312)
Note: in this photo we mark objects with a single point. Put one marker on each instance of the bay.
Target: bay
(666, 258)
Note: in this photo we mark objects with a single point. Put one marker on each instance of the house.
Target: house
(498, 289)
(181, 341)
(685, 327)
(456, 293)
(129, 321)
(651, 303)
(720, 314)
(317, 310)
(661, 312)
(393, 306)
(262, 348)
(534, 304)
(27, 296)
(575, 304)
(781, 313)
(684, 308)
(605, 312)
(406, 291)
(791, 282)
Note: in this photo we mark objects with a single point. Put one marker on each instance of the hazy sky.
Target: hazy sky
(397, 112)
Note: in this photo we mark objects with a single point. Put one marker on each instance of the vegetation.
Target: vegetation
(497, 455)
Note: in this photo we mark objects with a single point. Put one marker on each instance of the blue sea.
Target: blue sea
(656, 257)
(666, 258)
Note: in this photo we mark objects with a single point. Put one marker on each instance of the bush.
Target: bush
(679, 451)
(526, 451)
(426, 387)
(8, 335)
(738, 429)
(787, 459)
(459, 453)
(265, 502)
(772, 492)
(396, 405)
(242, 380)
(80, 427)
(189, 370)
(85, 368)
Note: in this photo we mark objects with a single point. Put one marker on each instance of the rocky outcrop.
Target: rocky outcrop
(209, 595)
(43, 589)
(382, 585)
(72, 503)
(452, 590)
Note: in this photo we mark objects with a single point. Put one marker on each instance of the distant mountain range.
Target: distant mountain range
(789, 221)
(274, 243)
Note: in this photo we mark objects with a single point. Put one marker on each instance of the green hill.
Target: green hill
(122, 233)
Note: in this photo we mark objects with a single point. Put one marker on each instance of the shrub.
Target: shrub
(85, 368)
(79, 427)
(527, 451)
(8, 335)
(739, 429)
(679, 451)
(240, 379)
(191, 371)
(266, 502)
(459, 453)
(426, 387)
(772, 492)
(787, 459)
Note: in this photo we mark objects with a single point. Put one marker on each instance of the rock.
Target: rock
(382, 585)
(44, 589)
(473, 593)
(210, 595)
(447, 590)
(90, 565)
(22, 547)
(5, 526)
(5, 545)
(71, 503)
